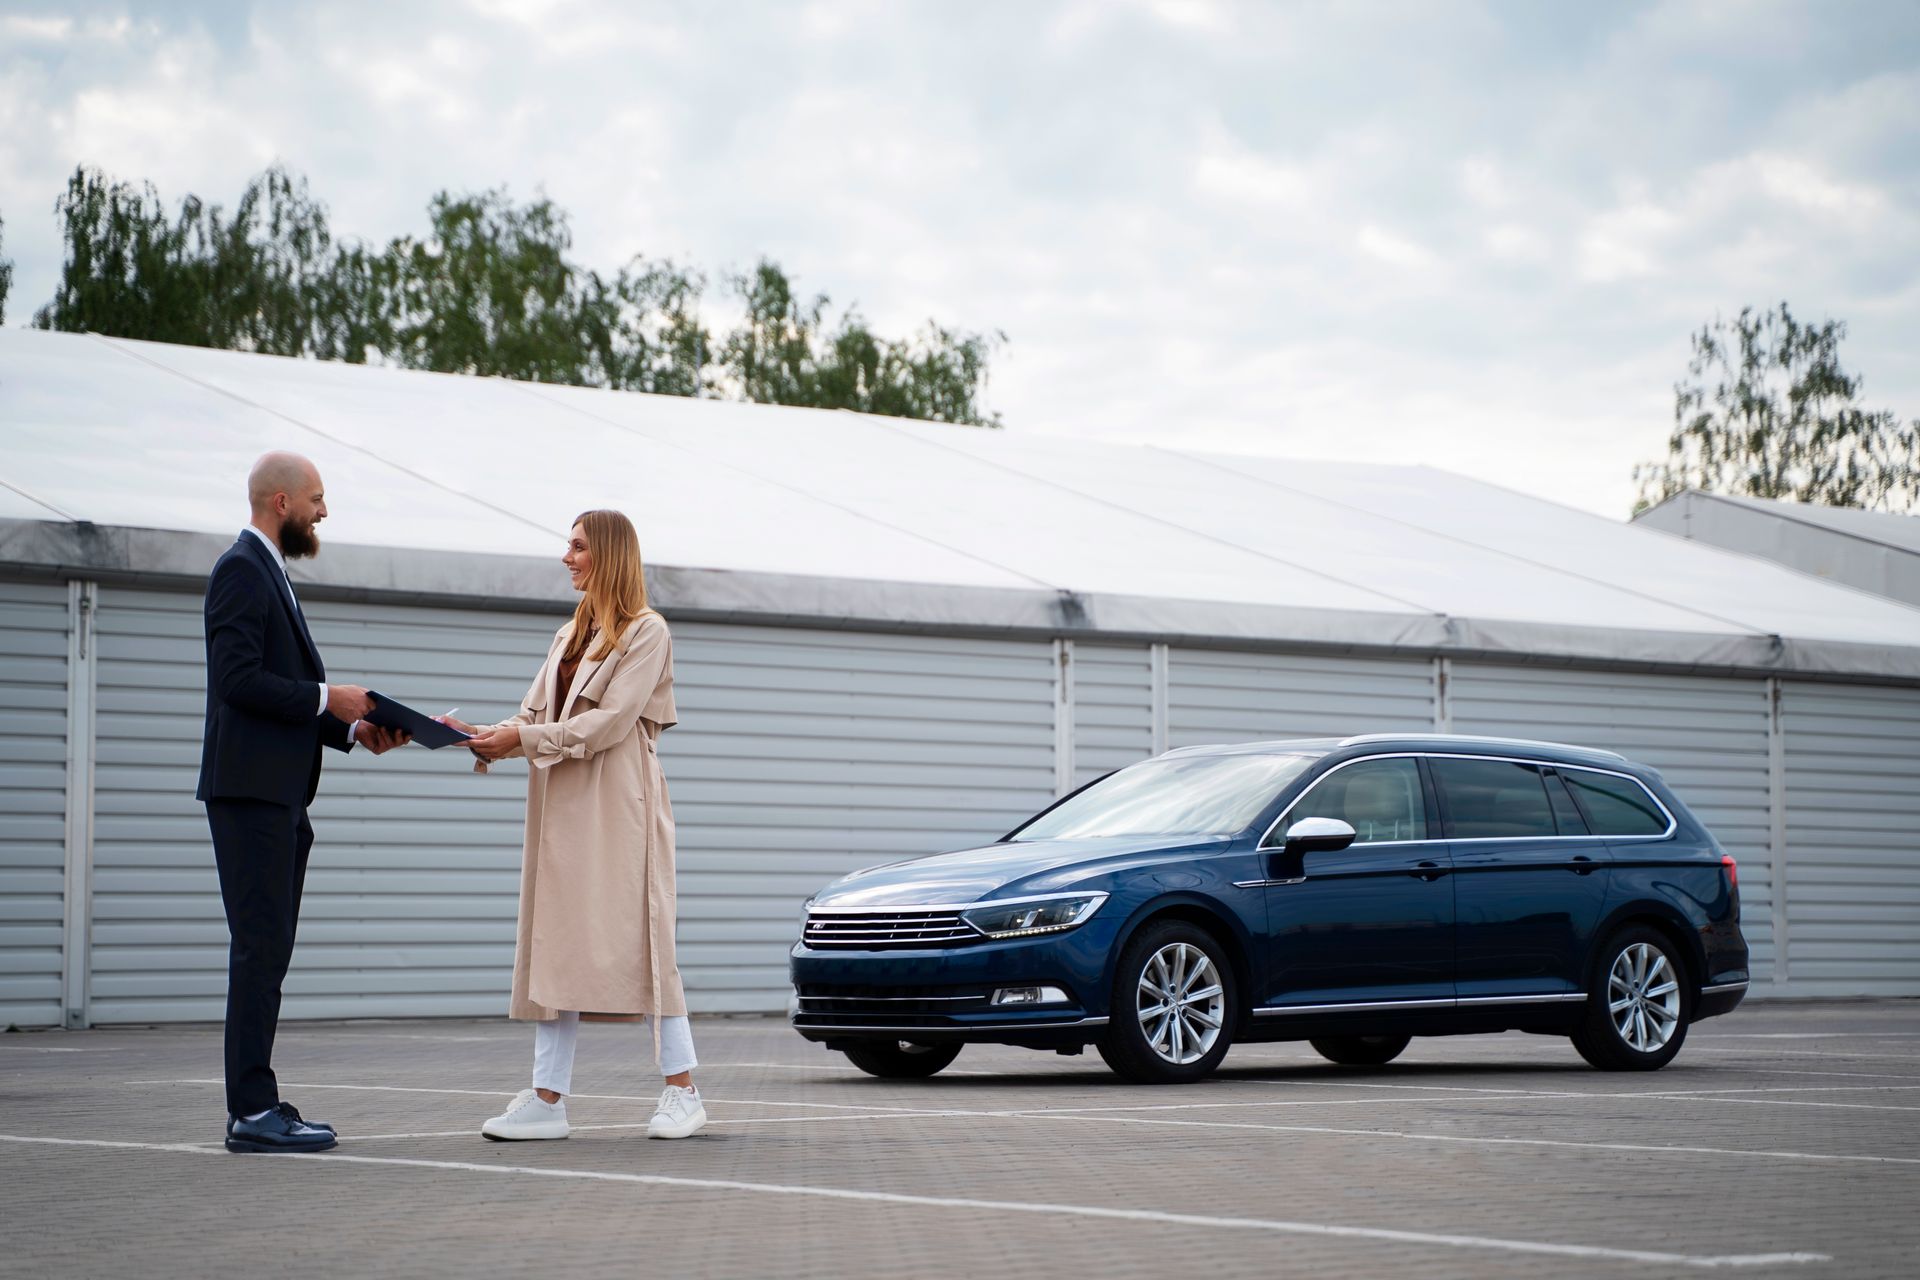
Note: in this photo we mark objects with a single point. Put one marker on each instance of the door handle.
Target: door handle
(1427, 871)
(1583, 865)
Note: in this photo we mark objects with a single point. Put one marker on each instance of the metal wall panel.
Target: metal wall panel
(802, 755)
(1218, 696)
(33, 706)
(1112, 708)
(411, 889)
(1708, 738)
(1853, 839)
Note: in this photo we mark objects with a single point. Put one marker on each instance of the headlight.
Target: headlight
(1024, 919)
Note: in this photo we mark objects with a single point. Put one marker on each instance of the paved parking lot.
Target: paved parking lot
(1786, 1138)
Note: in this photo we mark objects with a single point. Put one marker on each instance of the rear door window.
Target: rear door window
(1493, 800)
(1616, 806)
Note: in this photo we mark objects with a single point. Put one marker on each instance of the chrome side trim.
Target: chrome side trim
(1263, 884)
(1672, 822)
(887, 999)
(1269, 1011)
(912, 1033)
(1442, 1002)
(1723, 986)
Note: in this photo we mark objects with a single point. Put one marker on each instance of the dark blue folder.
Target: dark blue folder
(429, 733)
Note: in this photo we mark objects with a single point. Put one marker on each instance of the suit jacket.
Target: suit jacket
(263, 733)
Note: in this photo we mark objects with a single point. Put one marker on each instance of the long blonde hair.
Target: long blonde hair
(615, 592)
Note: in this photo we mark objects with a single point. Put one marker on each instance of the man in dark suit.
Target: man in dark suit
(269, 711)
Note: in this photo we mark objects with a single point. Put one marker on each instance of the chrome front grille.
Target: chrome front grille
(887, 928)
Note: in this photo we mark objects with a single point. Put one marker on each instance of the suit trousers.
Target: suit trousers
(261, 850)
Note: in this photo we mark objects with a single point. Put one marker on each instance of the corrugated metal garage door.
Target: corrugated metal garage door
(1112, 708)
(1217, 696)
(411, 890)
(33, 799)
(802, 755)
(1707, 737)
(1853, 839)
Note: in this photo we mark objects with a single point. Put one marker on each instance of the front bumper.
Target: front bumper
(946, 993)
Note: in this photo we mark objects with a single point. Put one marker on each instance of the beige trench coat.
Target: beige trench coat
(596, 877)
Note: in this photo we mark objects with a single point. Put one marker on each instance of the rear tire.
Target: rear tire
(1171, 1019)
(902, 1059)
(1360, 1051)
(1636, 1016)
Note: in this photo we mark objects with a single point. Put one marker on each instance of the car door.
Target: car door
(1371, 923)
(1529, 880)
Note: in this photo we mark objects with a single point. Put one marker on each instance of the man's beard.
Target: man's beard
(299, 541)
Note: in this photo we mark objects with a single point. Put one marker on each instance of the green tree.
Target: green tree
(6, 273)
(1766, 411)
(780, 354)
(255, 282)
(643, 330)
(489, 289)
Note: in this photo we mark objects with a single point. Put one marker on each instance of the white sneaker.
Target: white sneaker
(528, 1119)
(679, 1115)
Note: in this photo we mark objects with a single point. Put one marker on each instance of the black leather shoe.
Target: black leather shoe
(277, 1131)
(287, 1109)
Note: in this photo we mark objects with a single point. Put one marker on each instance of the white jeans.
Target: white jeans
(553, 1045)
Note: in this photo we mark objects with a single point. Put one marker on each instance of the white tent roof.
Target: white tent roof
(1873, 551)
(1144, 539)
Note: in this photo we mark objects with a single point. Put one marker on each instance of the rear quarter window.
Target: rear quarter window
(1615, 806)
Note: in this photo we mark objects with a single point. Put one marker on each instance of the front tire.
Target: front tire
(1636, 1017)
(1172, 1010)
(1360, 1051)
(902, 1059)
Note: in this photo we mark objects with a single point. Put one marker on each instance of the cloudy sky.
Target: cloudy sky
(1474, 235)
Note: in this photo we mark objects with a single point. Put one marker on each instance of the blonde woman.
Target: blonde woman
(596, 881)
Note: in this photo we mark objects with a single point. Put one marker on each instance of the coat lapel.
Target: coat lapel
(279, 578)
(581, 677)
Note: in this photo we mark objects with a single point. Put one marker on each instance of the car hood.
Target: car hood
(1002, 870)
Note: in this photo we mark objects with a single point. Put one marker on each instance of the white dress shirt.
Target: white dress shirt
(281, 560)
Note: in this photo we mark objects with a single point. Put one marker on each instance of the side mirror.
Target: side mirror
(1288, 863)
(1319, 835)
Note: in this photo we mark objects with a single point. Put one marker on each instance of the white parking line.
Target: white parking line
(1124, 1114)
(1498, 1142)
(1102, 1212)
(1474, 1095)
(1812, 1035)
(474, 1132)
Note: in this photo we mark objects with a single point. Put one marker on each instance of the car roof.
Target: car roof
(1375, 743)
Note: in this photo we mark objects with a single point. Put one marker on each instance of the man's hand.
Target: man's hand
(377, 739)
(493, 744)
(348, 702)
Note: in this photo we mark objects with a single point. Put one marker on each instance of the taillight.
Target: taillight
(1733, 870)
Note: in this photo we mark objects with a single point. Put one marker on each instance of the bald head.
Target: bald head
(287, 500)
(277, 473)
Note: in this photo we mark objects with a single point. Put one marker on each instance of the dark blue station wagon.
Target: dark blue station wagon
(1351, 893)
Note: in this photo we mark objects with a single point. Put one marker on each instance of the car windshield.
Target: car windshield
(1183, 796)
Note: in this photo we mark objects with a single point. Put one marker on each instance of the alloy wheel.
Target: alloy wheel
(1182, 1005)
(1643, 997)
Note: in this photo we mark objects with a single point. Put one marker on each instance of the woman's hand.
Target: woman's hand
(493, 744)
(452, 723)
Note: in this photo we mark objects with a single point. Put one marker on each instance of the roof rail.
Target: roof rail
(1359, 739)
